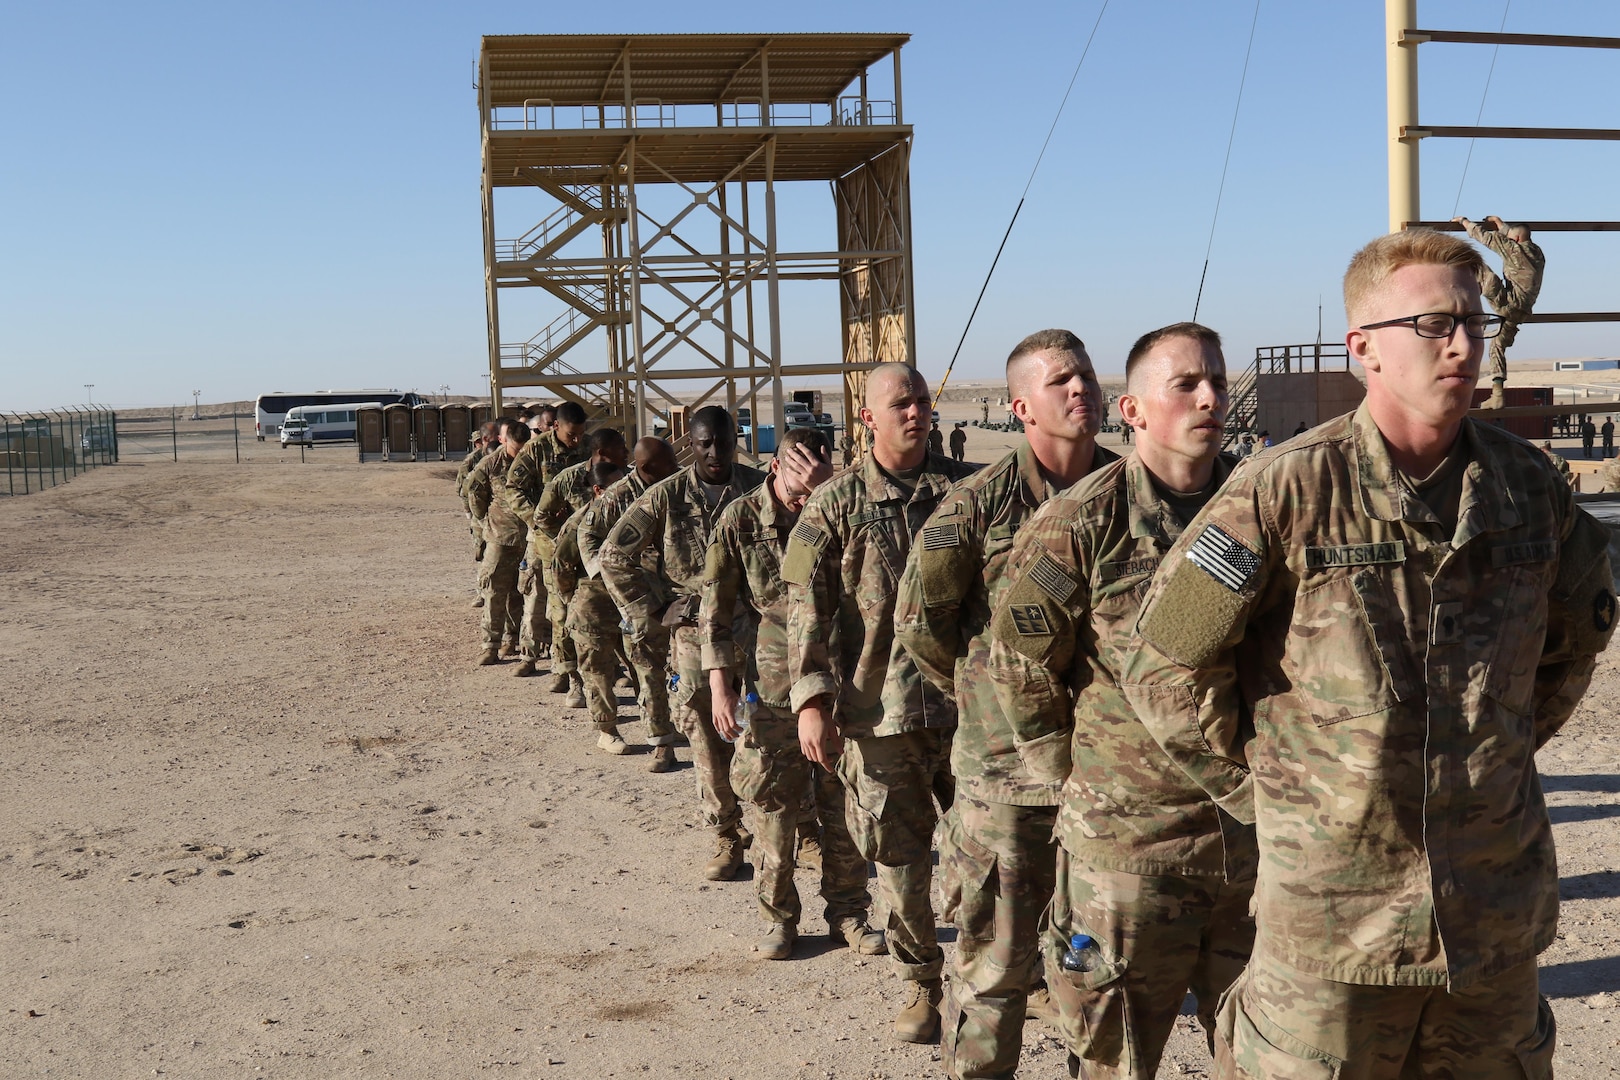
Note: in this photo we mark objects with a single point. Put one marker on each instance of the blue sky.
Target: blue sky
(232, 198)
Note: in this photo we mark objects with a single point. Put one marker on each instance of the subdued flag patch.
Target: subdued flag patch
(935, 537)
(1052, 579)
(1224, 558)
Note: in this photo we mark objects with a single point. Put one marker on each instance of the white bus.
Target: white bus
(271, 409)
(311, 424)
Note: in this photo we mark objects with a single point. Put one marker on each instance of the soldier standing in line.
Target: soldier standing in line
(654, 461)
(1359, 646)
(996, 854)
(546, 455)
(1588, 434)
(482, 443)
(675, 519)
(592, 620)
(504, 539)
(1513, 294)
(959, 441)
(1608, 438)
(849, 682)
(1150, 869)
(742, 584)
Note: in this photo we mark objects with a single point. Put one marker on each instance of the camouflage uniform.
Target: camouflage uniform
(566, 493)
(843, 561)
(1150, 868)
(742, 583)
(474, 456)
(674, 519)
(996, 852)
(1514, 293)
(504, 537)
(1332, 662)
(592, 622)
(649, 655)
(1561, 465)
(536, 465)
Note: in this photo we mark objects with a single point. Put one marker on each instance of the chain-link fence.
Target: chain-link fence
(44, 449)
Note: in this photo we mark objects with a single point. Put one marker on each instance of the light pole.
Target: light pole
(444, 392)
(196, 404)
(88, 396)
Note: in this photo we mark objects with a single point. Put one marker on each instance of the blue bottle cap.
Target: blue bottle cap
(753, 698)
(1080, 942)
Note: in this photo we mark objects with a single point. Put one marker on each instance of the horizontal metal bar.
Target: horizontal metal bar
(1510, 412)
(1572, 317)
(1482, 37)
(1533, 226)
(596, 261)
(1425, 131)
(515, 377)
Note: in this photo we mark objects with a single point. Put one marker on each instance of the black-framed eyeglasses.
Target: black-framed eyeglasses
(1442, 324)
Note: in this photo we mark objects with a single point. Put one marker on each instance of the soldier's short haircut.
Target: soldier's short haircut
(1521, 233)
(603, 439)
(715, 419)
(517, 429)
(525, 412)
(1052, 340)
(1372, 265)
(1152, 339)
(570, 412)
(812, 439)
(890, 369)
(605, 474)
(491, 428)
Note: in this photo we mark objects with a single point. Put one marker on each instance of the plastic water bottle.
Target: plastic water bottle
(674, 682)
(523, 565)
(1081, 955)
(746, 705)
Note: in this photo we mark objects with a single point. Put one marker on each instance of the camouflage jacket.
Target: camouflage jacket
(603, 514)
(486, 497)
(1515, 292)
(951, 585)
(742, 583)
(1327, 663)
(536, 465)
(844, 559)
(566, 568)
(467, 463)
(673, 519)
(567, 492)
(1055, 666)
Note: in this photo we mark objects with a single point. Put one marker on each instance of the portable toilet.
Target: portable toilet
(397, 431)
(425, 429)
(368, 432)
(480, 416)
(456, 423)
(512, 409)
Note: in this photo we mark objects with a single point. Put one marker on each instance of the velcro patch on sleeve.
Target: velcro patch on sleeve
(714, 561)
(632, 529)
(1052, 579)
(1029, 620)
(1224, 557)
(1586, 583)
(946, 573)
(1191, 617)
(805, 544)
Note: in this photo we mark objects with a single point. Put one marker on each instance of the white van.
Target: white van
(311, 424)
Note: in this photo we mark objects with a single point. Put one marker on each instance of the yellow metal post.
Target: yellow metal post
(1401, 63)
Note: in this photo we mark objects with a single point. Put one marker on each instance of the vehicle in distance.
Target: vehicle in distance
(271, 409)
(310, 424)
(97, 437)
(797, 414)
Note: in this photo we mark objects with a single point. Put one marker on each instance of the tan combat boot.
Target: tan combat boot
(808, 857)
(859, 935)
(1040, 1006)
(611, 741)
(509, 649)
(489, 656)
(1497, 399)
(918, 1022)
(576, 693)
(663, 759)
(558, 683)
(728, 857)
(777, 944)
(524, 670)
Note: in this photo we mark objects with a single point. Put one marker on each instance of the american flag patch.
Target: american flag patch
(1052, 579)
(807, 534)
(1224, 558)
(936, 537)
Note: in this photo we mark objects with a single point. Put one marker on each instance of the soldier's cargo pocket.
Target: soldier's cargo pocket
(863, 805)
(762, 777)
(967, 868)
(1536, 1055)
(1093, 1004)
(1258, 1049)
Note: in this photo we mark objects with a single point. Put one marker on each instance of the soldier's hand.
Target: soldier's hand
(723, 704)
(803, 470)
(819, 738)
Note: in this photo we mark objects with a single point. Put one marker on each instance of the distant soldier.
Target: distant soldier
(654, 461)
(1513, 294)
(1588, 435)
(959, 442)
(504, 538)
(546, 455)
(543, 419)
(1608, 438)
(936, 440)
(742, 632)
(996, 854)
(1558, 462)
(592, 620)
(487, 437)
(1150, 869)
(1358, 646)
(674, 519)
(842, 565)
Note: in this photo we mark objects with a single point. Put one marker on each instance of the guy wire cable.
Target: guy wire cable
(1481, 115)
(1021, 198)
(1244, 78)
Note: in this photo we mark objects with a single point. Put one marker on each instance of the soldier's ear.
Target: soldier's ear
(1359, 344)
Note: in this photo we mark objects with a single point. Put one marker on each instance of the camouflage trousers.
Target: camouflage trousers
(564, 661)
(998, 862)
(650, 655)
(1158, 937)
(536, 629)
(711, 755)
(1500, 345)
(1280, 1022)
(497, 584)
(598, 656)
(891, 783)
(769, 772)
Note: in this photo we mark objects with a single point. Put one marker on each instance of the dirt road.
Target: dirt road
(260, 815)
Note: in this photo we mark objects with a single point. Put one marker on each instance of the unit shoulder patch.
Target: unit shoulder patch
(1029, 620)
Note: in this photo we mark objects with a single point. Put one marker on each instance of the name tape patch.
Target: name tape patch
(1224, 558)
(1527, 552)
(1052, 579)
(1321, 558)
(1113, 571)
(936, 537)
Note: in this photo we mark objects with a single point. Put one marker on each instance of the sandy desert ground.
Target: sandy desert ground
(260, 815)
